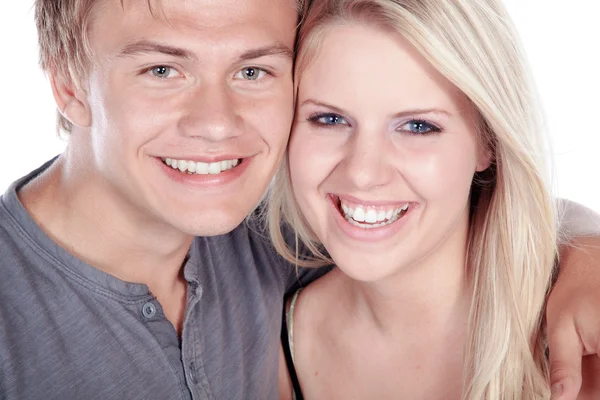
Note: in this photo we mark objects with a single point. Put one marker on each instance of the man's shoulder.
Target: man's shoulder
(15, 245)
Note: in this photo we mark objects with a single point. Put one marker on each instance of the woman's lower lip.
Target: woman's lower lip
(205, 180)
(366, 234)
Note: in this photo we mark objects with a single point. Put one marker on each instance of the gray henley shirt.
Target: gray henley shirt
(71, 331)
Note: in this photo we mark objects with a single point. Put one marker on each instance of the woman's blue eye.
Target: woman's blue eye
(419, 127)
(328, 119)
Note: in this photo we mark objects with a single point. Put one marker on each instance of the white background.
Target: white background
(562, 41)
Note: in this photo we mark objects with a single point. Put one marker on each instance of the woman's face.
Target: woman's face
(382, 154)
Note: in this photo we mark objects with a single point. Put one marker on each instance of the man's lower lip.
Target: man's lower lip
(205, 180)
(367, 234)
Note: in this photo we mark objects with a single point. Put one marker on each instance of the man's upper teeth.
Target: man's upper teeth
(370, 214)
(198, 167)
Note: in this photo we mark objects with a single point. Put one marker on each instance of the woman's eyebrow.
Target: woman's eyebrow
(403, 113)
(321, 104)
(421, 111)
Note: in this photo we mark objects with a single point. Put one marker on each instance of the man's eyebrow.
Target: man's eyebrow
(277, 49)
(146, 46)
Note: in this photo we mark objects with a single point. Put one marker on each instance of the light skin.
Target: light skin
(402, 285)
(108, 199)
(391, 320)
(199, 83)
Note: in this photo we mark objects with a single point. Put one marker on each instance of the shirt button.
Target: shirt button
(192, 373)
(149, 310)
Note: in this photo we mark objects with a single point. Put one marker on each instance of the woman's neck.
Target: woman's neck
(429, 295)
(401, 336)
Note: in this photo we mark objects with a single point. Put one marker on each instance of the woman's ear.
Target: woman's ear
(71, 101)
(485, 157)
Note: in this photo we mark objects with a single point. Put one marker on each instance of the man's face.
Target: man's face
(191, 107)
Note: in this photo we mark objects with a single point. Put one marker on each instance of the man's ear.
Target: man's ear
(71, 101)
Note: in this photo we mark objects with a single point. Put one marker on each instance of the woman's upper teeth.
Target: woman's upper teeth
(371, 214)
(202, 168)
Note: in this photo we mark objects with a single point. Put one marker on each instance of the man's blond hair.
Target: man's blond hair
(62, 38)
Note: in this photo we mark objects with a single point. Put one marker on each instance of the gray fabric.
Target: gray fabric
(70, 331)
(576, 220)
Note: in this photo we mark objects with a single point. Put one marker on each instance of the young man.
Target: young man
(126, 269)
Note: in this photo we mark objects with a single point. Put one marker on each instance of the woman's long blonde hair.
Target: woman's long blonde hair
(512, 239)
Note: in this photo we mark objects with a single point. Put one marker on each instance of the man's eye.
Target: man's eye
(328, 119)
(419, 127)
(251, 73)
(163, 71)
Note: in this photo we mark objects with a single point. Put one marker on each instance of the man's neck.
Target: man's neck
(84, 215)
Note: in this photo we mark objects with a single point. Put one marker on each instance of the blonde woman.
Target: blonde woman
(417, 164)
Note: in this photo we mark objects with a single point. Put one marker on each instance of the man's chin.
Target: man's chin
(209, 216)
(214, 225)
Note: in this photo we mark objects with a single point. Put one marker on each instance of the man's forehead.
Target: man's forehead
(212, 17)
(170, 8)
(190, 28)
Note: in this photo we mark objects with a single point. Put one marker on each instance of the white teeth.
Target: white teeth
(201, 168)
(214, 168)
(359, 214)
(370, 217)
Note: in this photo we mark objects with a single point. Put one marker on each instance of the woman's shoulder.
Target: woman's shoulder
(313, 306)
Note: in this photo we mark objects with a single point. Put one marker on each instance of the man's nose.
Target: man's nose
(212, 114)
